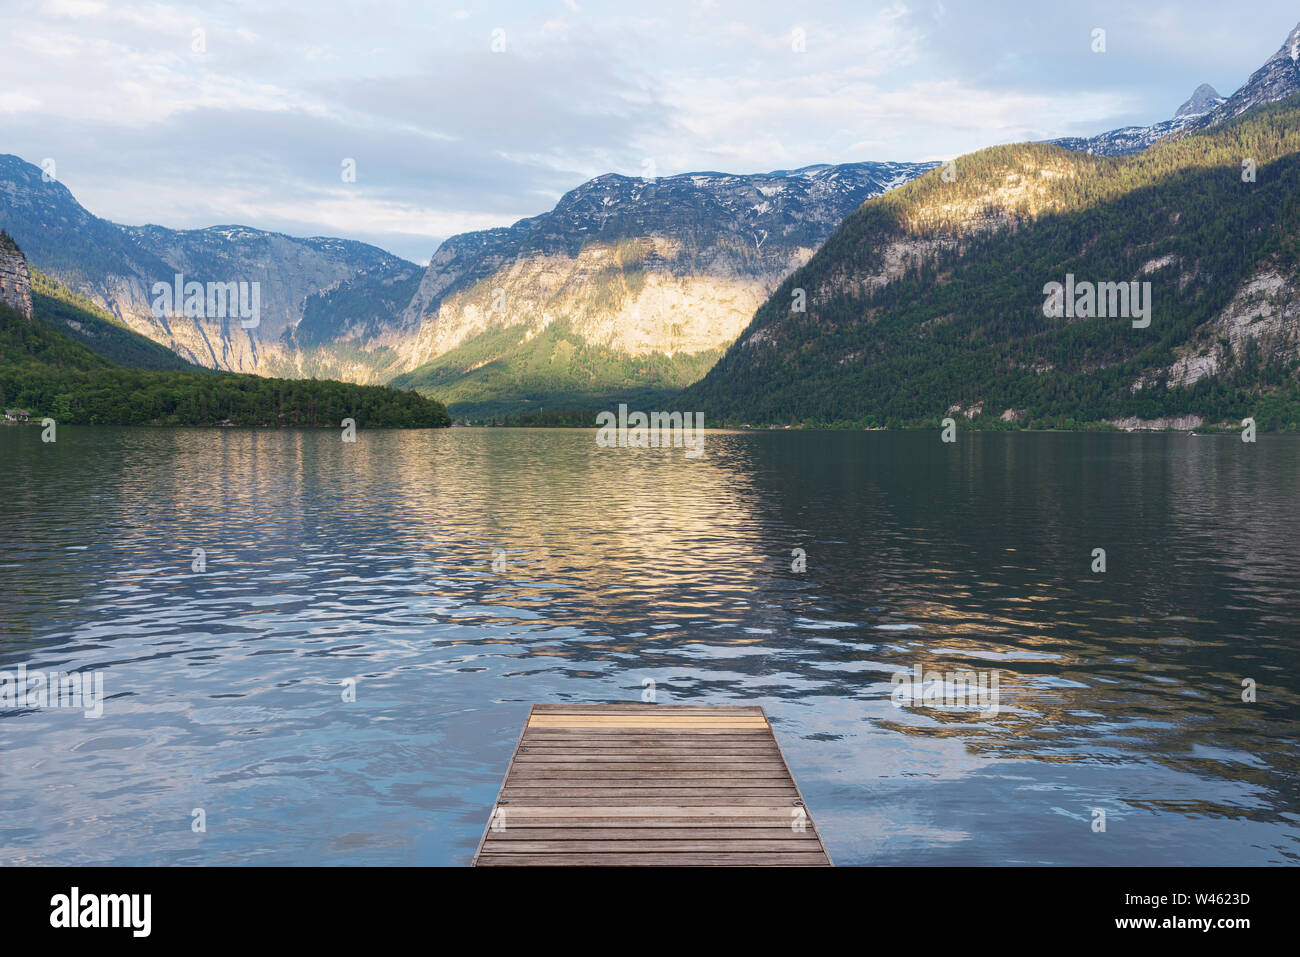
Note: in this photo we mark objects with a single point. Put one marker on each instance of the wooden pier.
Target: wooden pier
(644, 784)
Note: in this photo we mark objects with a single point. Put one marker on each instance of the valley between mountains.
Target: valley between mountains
(872, 294)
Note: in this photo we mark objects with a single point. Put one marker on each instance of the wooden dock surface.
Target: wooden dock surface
(644, 784)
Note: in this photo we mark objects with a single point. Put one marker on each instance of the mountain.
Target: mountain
(626, 284)
(634, 288)
(115, 267)
(1276, 80)
(48, 372)
(942, 298)
(935, 299)
(97, 329)
(1133, 139)
(1203, 99)
(36, 297)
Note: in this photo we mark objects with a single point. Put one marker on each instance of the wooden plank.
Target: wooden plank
(639, 751)
(762, 810)
(611, 737)
(648, 746)
(582, 787)
(730, 799)
(612, 770)
(653, 860)
(615, 834)
(737, 723)
(658, 709)
(744, 736)
(648, 774)
(693, 777)
(659, 819)
(541, 775)
(686, 747)
(569, 751)
(649, 785)
(638, 723)
(648, 762)
(689, 739)
(645, 845)
(650, 732)
(576, 797)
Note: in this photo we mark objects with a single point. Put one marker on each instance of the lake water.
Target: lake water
(325, 561)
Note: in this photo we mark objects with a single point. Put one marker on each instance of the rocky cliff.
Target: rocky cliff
(672, 267)
(15, 282)
(116, 268)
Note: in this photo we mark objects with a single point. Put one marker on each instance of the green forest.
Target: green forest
(97, 329)
(966, 327)
(501, 373)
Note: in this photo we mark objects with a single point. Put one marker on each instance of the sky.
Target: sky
(462, 115)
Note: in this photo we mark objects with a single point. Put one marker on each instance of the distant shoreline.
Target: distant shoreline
(1201, 431)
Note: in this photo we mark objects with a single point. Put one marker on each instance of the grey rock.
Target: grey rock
(15, 280)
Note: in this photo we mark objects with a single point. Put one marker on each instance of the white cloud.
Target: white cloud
(18, 103)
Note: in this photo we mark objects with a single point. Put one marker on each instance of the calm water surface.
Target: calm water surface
(327, 561)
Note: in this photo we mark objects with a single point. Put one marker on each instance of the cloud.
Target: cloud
(18, 103)
(248, 119)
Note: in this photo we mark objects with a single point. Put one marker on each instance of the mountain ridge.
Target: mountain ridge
(669, 268)
(926, 301)
(666, 266)
(116, 266)
(1276, 80)
(48, 368)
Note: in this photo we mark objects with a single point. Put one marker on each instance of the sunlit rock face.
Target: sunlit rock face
(665, 265)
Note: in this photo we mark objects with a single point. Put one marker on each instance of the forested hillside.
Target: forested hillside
(97, 329)
(48, 373)
(930, 299)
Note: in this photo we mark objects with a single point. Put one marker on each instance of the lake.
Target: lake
(458, 576)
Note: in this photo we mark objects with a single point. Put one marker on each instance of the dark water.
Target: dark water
(327, 561)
